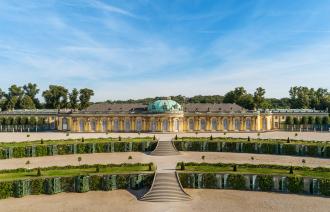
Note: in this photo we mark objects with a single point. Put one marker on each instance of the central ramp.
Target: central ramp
(164, 148)
(166, 188)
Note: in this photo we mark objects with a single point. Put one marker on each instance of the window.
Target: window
(225, 124)
(191, 124)
(64, 124)
(153, 126)
(165, 125)
(138, 125)
(237, 124)
(214, 124)
(93, 125)
(104, 125)
(248, 124)
(203, 124)
(127, 125)
(81, 125)
(116, 125)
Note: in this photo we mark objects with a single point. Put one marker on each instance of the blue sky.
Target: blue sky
(144, 48)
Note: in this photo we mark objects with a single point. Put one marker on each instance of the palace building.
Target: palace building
(161, 116)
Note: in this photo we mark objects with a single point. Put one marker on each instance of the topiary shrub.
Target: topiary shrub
(295, 184)
(289, 149)
(37, 186)
(119, 146)
(19, 152)
(210, 180)
(81, 184)
(6, 189)
(67, 184)
(122, 181)
(265, 182)
(236, 181)
(312, 150)
(325, 187)
(95, 183)
(41, 150)
(184, 180)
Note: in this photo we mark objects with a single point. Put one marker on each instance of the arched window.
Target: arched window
(225, 124)
(93, 125)
(81, 125)
(191, 124)
(127, 125)
(116, 125)
(237, 124)
(153, 126)
(248, 124)
(165, 125)
(203, 124)
(176, 125)
(104, 125)
(264, 124)
(138, 125)
(64, 124)
(214, 124)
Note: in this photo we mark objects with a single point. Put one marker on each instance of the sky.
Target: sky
(146, 48)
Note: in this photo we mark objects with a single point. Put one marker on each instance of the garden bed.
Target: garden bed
(302, 180)
(262, 146)
(75, 146)
(51, 180)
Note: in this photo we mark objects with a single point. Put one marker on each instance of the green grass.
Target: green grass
(72, 141)
(258, 140)
(9, 175)
(303, 171)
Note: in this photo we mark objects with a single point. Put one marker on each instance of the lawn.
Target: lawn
(72, 141)
(254, 169)
(9, 175)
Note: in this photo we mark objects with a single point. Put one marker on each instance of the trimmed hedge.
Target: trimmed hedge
(292, 184)
(77, 148)
(261, 147)
(53, 185)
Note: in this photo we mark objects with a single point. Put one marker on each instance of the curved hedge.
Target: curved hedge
(259, 147)
(81, 183)
(39, 150)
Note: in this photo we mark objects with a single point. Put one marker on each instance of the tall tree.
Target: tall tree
(235, 95)
(259, 97)
(27, 103)
(84, 97)
(32, 90)
(55, 97)
(13, 96)
(73, 99)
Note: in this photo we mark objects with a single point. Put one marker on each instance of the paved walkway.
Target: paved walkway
(16, 137)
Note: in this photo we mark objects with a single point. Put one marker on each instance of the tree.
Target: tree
(288, 120)
(13, 97)
(55, 97)
(32, 120)
(311, 120)
(259, 97)
(79, 160)
(246, 101)
(304, 121)
(84, 97)
(73, 99)
(32, 90)
(235, 95)
(325, 121)
(27, 103)
(296, 121)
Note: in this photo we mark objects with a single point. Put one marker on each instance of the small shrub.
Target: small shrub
(79, 160)
(67, 134)
(296, 134)
(150, 167)
(249, 138)
(303, 161)
(258, 134)
(288, 140)
(211, 137)
(235, 168)
(291, 170)
(154, 138)
(28, 135)
(130, 157)
(224, 133)
(252, 158)
(182, 167)
(203, 157)
(97, 169)
(82, 139)
(119, 138)
(42, 141)
(176, 137)
(39, 172)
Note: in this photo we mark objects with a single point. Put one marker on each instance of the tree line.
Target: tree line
(55, 97)
(299, 98)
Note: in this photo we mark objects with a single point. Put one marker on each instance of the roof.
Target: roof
(164, 106)
(208, 107)
(108, 107)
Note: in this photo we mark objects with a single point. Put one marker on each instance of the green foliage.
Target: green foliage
(295, 184)
(95, 183)
(265, 182)
(6, 189)
(37, 186)
(325, 187)
(236, 181)
(210, 180)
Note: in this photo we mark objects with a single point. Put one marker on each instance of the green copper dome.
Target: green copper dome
(164, 106)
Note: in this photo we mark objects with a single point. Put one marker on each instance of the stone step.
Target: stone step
(165, 188)
(164, 148)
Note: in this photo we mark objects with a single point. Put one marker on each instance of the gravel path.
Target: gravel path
(16, 137)
(202, 200)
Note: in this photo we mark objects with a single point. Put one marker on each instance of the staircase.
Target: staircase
(164, 148)
(166, 188)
